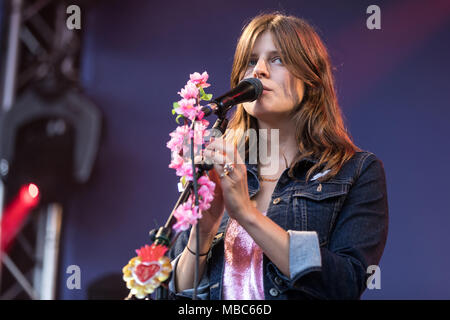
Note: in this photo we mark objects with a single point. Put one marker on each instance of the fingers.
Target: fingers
(216, 157)
(225, 158)
(222, 152)
(214, 176)
(198, 159)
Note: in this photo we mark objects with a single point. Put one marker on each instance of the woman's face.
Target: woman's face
(282, 91)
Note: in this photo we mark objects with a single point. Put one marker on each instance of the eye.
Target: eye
(252, 62)
(277, 60)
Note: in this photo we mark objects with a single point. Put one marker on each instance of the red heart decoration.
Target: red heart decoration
(144, 272)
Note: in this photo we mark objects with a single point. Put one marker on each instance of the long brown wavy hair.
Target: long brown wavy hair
(320, 130)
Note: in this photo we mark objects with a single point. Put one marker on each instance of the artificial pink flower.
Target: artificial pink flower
(190, 91)
(204, 122)
(206, 192)
(205, 181)
(186, 215)
(183, 214)
(203, 205)
(185, 104)
(206, 198)
(200, 113)
(185, 170)
(177, 161)
(199, 134)
(179, 144)
(178, 138)
(187, 109)
(200, 79)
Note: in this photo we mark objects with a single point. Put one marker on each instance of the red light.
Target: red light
(16, 212)
(29, 194)
(33, 190)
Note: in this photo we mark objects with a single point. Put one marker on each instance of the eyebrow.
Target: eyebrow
(269, 53)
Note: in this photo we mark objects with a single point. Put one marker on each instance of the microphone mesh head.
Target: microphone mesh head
(257, 84)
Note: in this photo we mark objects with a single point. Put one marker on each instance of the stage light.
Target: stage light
(51, 140)
(29, 194)
(33, 190)
(16, 213)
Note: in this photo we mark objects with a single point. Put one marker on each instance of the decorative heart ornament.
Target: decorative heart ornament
(144, 273)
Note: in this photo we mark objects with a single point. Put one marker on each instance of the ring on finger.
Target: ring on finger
(227, 169)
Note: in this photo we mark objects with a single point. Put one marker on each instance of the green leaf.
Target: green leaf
(178, 117)
(175, 105)
(183, 180)
(203, 95)
(207, 97)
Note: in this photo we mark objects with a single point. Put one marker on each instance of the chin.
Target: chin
(256, 107)
(263, 115)
(258, 110)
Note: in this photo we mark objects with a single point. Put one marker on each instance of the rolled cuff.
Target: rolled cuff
(202, 289)
(304, 253)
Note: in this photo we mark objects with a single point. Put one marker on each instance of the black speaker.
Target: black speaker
(50, 140)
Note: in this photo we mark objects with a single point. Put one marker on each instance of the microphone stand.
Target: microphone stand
(164, 235)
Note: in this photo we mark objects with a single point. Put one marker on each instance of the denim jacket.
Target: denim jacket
(337, 229)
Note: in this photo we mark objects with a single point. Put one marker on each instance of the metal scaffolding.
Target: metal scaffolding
(38, 44)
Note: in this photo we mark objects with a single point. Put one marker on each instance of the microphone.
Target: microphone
(246, 91)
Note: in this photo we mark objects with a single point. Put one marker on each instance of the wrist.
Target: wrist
(200, 254)
(248, 216)
(205, 241)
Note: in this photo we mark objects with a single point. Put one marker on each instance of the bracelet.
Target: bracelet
(200, 255)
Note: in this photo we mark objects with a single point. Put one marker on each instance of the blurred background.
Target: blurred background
(86, 114)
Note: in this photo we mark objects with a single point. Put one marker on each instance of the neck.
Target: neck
(288, 146)
(280, 153)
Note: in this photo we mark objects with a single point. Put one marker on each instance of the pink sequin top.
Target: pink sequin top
(243, 269)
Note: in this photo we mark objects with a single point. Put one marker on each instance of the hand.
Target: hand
(210, 222)
(234, 185)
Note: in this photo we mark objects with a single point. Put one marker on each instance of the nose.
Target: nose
(261, 69)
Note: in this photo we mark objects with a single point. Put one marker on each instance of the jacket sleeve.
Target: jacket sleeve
(357, 241)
